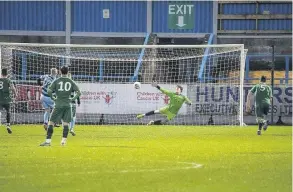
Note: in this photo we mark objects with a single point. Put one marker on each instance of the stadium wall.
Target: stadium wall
(278, 20)
(124, 16)
(32, 15)
(99, 18)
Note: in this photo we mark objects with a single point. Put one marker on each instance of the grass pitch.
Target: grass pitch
(140, 158)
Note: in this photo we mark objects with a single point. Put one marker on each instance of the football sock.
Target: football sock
(50, 132)
(150, 113)
(158, 122)
(65, 131)
(8, 117)
(72, 123)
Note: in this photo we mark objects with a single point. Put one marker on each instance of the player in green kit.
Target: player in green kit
(171, 110)
(6, 86)
(263, 99)
(63, 88)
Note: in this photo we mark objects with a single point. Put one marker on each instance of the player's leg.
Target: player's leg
(46, 118)
(66, 117)
(259, 118)
(148, 114)
(158, 122)
(55, 117)
(266, 109)
(57, 124)
(164, 111)
(72, 123)
(8, 115)
(48, 105)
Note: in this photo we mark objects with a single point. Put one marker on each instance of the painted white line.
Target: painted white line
(192, 165)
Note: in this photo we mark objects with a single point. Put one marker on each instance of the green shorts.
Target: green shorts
(262, 110)
(165, 111)
(61, 113)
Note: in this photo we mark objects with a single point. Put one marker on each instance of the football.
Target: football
(137, 85)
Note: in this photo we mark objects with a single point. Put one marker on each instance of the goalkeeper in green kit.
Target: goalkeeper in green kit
(171, 110)
(263, 99)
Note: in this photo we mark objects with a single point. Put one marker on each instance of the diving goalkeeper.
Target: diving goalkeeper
(171, 110)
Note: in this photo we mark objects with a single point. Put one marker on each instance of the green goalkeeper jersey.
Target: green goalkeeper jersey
(5, 94)
(263, 93)
(63, 88)
(176, 100)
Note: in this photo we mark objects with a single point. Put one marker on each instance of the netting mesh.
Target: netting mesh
(210, 77)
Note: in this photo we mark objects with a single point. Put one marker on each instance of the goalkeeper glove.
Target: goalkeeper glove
(154, 84)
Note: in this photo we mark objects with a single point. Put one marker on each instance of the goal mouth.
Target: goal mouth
(211, 76)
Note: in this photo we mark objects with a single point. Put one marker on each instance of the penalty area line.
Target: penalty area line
(192, 165)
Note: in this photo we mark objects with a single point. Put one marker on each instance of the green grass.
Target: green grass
(140, 158)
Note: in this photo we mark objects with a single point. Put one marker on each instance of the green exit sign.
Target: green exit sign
(181, 15)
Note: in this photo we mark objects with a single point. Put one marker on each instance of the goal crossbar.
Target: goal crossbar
(119, 46)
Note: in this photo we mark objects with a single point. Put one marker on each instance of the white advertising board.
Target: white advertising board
(123, 98)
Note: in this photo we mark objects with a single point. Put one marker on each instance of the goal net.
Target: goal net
(211, 77)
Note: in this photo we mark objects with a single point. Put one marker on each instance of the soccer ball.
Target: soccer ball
(137, 85)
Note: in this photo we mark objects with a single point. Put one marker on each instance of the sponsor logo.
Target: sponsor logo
(109, 97)
(166, 99)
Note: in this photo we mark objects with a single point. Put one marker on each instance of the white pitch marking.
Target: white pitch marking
(193, 165)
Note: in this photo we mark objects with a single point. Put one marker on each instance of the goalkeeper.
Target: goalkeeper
(171, 110)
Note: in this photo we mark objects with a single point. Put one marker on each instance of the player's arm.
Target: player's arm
(165, 91)
(76, 90)
(187, 101)
(51, 89)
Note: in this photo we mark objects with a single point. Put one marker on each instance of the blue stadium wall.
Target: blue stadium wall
(87, 16)
(260, 24)
(32, 15)
(131, 16)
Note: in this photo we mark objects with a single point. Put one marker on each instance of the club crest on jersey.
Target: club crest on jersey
(109, 97)
(166, 99)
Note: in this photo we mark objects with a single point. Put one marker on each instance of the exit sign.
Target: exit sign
(180, 15)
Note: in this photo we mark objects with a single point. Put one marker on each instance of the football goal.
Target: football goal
(211, 76)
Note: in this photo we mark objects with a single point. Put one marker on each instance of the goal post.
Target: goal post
(105, 75)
